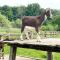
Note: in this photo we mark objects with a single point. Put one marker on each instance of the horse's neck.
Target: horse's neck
(43, 16)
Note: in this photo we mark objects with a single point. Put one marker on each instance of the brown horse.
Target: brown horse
(35, 21)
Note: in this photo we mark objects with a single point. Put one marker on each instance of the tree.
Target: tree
(18, 23)
(10, 14)
(4, 22)
(14, 9)
(21, 11)
(7, 11)
(55, 12)
(57, 21)
(33, 9)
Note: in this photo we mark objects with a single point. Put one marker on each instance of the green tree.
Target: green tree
(7, 11)
(4, 22)
(13, 24)
(14, 9)
(56, 21)
(55, 12)
(18, 23)
(33, 9)
(21, 11)
(10, 14)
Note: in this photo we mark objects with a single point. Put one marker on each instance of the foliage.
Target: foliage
(7, 11)
(56, 21)
(21, 11)
(53, 24)
(13, 24)
(14, 9)
(14, 15)
(55, 12)
(18, 23)
(33, 9)
(4, 22)
(50, 27)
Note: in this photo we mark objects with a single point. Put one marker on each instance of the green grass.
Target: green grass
(27, 52)
(56, 56)
(32, 53)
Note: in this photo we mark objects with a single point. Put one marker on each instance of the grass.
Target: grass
(56, 56)
(32, 53)
(26, 52)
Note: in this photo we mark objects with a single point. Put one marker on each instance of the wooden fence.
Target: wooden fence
(33, 35)
(44, 34)
(50, 34)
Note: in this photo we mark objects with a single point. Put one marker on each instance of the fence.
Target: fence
(50, 34)
(33, 35)
(44, 34)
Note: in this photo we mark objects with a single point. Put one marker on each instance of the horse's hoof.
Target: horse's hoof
(38, 41)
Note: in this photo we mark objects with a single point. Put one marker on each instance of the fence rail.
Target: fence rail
(48, 34)
(32, 35)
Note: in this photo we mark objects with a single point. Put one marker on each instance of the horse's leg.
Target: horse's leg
(38, 36)
(27, 34)
(22, 29)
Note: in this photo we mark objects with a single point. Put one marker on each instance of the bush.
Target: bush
(4, 22)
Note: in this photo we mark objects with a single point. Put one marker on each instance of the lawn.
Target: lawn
(32, 53)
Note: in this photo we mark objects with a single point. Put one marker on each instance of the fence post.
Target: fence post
(50, 56)
(0, 37)
(13, 49)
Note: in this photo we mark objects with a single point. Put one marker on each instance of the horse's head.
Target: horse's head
(48, 13)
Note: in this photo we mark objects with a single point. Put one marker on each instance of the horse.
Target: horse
(35, 21)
